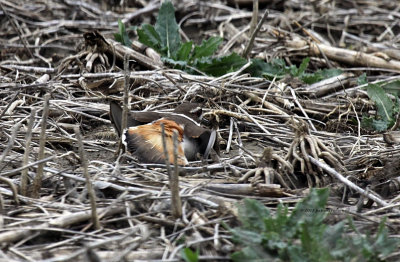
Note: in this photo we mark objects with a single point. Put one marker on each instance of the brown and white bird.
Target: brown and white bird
(143, 136)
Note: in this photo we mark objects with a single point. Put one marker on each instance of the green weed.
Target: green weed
(386, 109)
(278, 69)
(164, 38)
(122, 35)
(303, 236)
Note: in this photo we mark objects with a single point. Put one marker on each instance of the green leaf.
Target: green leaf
(252, 214)
(383, 103)
(310, 239)
(125, 37)
(207, 47)
(307, 240)
(311, 209)
(298, 72)
(220, 65)
(168, 29)
(383, 244)
(386, 108)
(333, 233)
(392, 87)
(296, 254)
(278, 69)
(184, 51)
(121, 26)
(334, 242)
(165, 39)
(122, 35)
(257, 67)
(247, 237)
(175, 63)
(320, 75)
(278, 224)
(149, 36)
(376, 124)
(367, 122)
(189, 256)
(260, 68)
(251, 254)
(362, 79)
(380, 125)
(364, 247)
(118, 38)
(303, 66)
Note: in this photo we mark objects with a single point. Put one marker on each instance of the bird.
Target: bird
(143, 135)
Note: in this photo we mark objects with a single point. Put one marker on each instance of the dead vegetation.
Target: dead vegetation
(277, 137)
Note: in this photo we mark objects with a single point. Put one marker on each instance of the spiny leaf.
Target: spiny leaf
(248, 237)
(380, 124)
(312, 208)
(184, 51)
(368, 122)
(319, 75)
(302, 68)
(265, 237)
(383, 243)
(383, 103)
(273, 69)
(251, 254)
(386, 108)
(252, 214)
(180, 64)
(168, 29)
(149, 36)
(207, 47)
(220, 65)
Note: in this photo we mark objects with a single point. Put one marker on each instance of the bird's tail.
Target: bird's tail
(116, 116)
